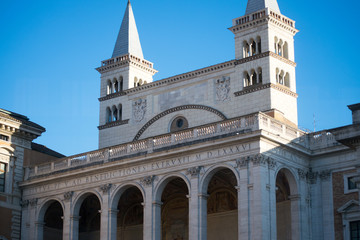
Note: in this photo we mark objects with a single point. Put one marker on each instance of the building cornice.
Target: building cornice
(259, 87)
(113, 124)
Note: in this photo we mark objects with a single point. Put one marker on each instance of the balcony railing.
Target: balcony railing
(238, 125)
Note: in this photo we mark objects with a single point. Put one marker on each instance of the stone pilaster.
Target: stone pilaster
(243, 198)
(194, 204)
(67, 227)
(148, 183)
(105, 221)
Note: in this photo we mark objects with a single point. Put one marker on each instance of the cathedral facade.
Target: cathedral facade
(214, 153)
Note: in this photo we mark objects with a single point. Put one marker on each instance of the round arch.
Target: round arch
(176, 109)
(165, 180)
(290, 175)
(118, 192)
(205, 180)
(45, 205)
(80, 199)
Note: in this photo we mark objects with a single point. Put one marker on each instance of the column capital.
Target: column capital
(147, 181)
(157, 203)
(325, 175)
(75, 217)
(68, 195)
(33, 202)
(203, 196)
(194, 171)
(106, 188)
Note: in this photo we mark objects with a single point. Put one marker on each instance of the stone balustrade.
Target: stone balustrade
(238, 126)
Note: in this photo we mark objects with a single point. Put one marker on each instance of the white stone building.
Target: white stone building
(210, 154)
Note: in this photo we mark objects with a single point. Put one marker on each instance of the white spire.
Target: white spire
(257, 5)
(128, 41)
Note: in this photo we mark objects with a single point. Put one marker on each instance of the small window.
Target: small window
(2, 177)
(355, 230)
(351, 183)
(178, 124)
(3, 137)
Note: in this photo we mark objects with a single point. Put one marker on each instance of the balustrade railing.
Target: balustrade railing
(251, 122)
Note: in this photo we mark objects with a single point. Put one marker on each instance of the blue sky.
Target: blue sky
(49, 50)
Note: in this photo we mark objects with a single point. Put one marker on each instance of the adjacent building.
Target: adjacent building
(214, 153)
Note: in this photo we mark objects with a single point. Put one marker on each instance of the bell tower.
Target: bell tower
(264, 48)
(126, 69)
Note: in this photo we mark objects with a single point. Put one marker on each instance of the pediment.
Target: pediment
(351, 206)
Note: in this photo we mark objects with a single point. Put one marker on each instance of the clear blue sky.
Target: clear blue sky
(49, 50)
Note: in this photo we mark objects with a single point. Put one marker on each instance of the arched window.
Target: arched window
(280, 50)
(114, 113)
(252, 47)
(136, 81)
(253, 77)
(287, 80)
(246, 79)
(245, 49)
(281, 77)
(108, 115)
(258, 39)
(277, 75)
(276, 45)
(260, 75)
(109, 87)
(286, 50)
(140, 82)
(120, 112)
(121, 87)
(116, 85)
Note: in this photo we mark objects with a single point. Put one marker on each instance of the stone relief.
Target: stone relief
(106, 188)
(139, 109)
(147, 181)
(194, 172)
(222, 89)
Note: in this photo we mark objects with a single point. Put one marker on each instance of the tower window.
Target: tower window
(108, 115)
(2, 176)
(120, 112)
(114, 114)
(4, 138)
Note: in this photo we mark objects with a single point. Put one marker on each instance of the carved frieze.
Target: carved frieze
(147, 181)
(222, 89)
(139, 109)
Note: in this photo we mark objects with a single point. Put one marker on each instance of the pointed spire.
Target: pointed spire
(257, 5)
(128, 41)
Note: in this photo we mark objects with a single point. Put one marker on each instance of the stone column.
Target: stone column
(202, 198)
(259, 209)
(194, 204)
(112, 223)
(305, 211)
(156, 218)
(39, 230)
(147, 183)
(243, 199)
(32, 219)
(104, 213)
(327, 203)
(67, 228)
(271, 188)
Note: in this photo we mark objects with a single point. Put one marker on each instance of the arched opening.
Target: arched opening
(258, 40)
(135, 81)
(115, 114)
(108, 115)
(252, 47)
(116, 85)
(281, 77)
(121, 87)
(109, 87)
(245, 49)
(287, 209)
(175, 211)
(286, 50)
(280, 50)
(53, 223)
(276, 45)
(140, 82)
(253, 77)
(89, 222)
(120, 112)
(287, 80)
(222, 213)
(246, 79)
(130, 217)
(260, 75)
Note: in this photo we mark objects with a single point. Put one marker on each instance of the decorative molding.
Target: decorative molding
(222, 89)
(24, 203)
(194, 171)
(176, 109)
(325, 175)
(147, 181)
(272, 163)
(259, 160)
(68, 195)
(114, 124)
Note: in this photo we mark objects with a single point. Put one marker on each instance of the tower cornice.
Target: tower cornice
(262, 17)
(126, 60)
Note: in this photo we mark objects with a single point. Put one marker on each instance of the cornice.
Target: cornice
(113, 124)
(259, 87)
(262, 55)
